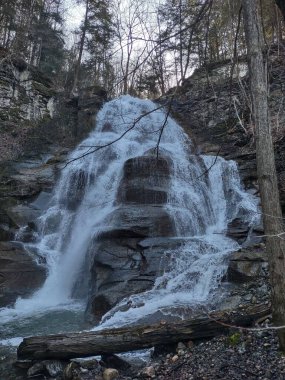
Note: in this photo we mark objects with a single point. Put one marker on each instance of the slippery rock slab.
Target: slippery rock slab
(20, 275)
(121, 268)
(139, 221)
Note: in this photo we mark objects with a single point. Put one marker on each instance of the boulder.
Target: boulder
(5, 233)
(110, 374)
(20, 275)
(147, 372)
(246, 265)
(114, 361)
(238, 230)
(54, 367)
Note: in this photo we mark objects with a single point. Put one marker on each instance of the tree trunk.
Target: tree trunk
(72, 345)
(74, 90)
(281, 5)
(266, 170)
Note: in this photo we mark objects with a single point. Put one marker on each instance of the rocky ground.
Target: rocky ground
(242, 354)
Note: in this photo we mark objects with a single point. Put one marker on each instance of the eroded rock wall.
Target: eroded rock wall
(127, 258)
(38, 127)
(27, 98)
(215, 111)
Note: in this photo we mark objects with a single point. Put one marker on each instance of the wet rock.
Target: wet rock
(36, 369)
(69, 371)
(148, 372)
(24, 364)
(21, 215)
(79, 181)
(238, 230)
(53, 367)
(121, 266)
(115, 361)
(190, 344)
(20, 275)
(6, 233)
(145, 181)
(86, 363)
(31, 177)
(246, 265)
(110, 374)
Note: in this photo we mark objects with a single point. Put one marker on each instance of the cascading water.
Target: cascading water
(200, 204)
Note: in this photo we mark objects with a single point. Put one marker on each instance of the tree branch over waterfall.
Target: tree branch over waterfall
(135, 122)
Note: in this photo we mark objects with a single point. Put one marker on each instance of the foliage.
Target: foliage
(234, 339)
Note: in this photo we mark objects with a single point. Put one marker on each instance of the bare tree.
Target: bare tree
(273, 226)
(81, 47)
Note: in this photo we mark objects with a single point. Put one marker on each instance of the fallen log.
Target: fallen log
(110, 341)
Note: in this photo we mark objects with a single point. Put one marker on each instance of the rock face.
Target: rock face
(19, 273)
(214, 111)
(34, 117)
(90, 100)
(76, 116)
(25, 90)
(25, 189)
(127, 257)
(26, 97)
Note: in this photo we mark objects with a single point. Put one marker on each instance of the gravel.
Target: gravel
(240, 355)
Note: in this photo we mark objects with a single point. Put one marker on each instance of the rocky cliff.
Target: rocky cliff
(26, 98)
(38, 126)
(126, 259)
(214, 108)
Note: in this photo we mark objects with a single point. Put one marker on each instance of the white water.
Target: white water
(200, 205)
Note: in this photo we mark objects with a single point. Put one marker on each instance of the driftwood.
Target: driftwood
(72, 345)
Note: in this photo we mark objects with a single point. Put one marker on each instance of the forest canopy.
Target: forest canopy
(130, 46)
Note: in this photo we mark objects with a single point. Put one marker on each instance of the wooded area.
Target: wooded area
(136, 47)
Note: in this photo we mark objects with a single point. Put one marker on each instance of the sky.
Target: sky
(74, 14)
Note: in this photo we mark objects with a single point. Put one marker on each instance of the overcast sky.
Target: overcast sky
(74, 14)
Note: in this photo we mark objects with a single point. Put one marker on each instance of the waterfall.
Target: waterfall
(199, 202)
